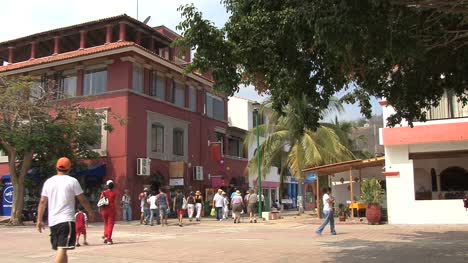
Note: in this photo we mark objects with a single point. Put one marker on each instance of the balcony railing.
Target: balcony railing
(449, 108)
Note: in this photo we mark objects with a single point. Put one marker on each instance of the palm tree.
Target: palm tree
(304, 147)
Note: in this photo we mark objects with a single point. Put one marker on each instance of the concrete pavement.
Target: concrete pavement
(291, 239)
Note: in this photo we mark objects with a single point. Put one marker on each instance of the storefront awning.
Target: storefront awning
(345, 166)
(93, 171)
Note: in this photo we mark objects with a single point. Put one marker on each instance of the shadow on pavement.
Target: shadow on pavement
(418, 247)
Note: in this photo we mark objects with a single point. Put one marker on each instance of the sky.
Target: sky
(34, 16)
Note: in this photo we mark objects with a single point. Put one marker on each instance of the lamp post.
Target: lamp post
(256, 107)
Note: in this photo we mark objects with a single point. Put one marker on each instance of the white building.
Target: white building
(426, 166)
(241, 115)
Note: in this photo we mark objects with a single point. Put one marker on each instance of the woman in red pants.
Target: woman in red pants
(108, 212)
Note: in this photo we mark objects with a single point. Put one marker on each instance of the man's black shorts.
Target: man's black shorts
(63, 235)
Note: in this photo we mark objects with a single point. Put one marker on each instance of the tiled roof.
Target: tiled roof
(79, 53)
(103, 20)
(67, 55)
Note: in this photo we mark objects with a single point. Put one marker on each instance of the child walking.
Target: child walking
(81, 222)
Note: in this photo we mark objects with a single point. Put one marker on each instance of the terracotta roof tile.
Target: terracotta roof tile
(82, 52)
(63, 56)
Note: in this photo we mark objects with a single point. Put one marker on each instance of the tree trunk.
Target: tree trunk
(18, 187)
(300, 194)
(18, 202)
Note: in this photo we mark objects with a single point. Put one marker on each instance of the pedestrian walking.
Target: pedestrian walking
(190, 206)
(328, 200)
(81, 222)
(163, 206)
(153, 207)
(126, 206)
(108, 212)
(144, 208)
(198, 204)
(58, 195)
(218, 203)
(225, 206)
(252, 200)
(237, 206)
(180, 204)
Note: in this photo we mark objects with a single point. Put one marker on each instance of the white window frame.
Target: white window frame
(158, 125)
(138, 84)
(175, 86)
(3, 157)
(169, 123)
(61, 89)
(155, 76)
(177, 129)
(103, 150)
(93, 89)
(193, 99)
(209, 106)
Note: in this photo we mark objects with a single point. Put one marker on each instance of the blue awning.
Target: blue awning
(310, 178)
(93, 171)
(32, 175)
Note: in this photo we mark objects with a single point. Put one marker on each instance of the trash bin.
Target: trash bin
(7, 200)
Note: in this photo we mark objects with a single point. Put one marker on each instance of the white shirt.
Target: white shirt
(326, 205)
(61, 191)
(152, 202)
(219, 200)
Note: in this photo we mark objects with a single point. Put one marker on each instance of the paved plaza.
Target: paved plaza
(291, 239)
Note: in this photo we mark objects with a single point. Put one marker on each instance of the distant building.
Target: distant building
(366, 137)
(120, 65)
(241, 114)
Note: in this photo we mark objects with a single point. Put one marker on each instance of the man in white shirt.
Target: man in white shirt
(328, 201)
(58, 194)
(218, 203)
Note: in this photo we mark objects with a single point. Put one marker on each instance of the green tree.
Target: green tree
(313, 49)
(304, 147)
(35, 127)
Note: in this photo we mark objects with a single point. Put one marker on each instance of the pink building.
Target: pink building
(123, 66)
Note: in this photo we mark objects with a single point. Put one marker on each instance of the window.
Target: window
(95, 81)
(158, 86)
(235, 147)
(178, 93)
(3, 156)
(101, 146)
(157, 138)
(220, 138)
(260, 118)
(98, 129)
(67, 86)
(449, 107)
(193, 99)
(38, 88)
(178, 144)
(138, 77)
(214, 107)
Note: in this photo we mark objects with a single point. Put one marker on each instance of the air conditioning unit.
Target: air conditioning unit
(198, 173)
(143, 166)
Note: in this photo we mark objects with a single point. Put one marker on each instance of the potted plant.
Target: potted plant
(342, 211)
(372, 196)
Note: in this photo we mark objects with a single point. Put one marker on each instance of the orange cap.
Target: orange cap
(63, 164)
